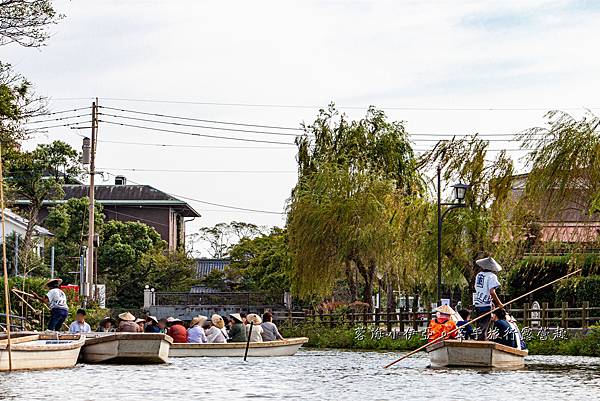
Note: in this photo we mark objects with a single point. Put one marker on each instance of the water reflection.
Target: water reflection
(310, 375)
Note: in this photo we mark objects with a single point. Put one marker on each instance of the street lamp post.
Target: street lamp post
(460, 191)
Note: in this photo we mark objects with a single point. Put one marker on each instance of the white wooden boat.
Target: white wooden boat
(285, 347)
(475, 354)
(33, 351)
(127, 348)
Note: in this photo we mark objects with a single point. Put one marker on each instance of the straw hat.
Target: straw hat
(489, 264)
(237, 317)
(57, 280)
(444, 309)
(198, 320)
(140, 320)
(218, 321)
(254, 318)
(173, 320)
(153, 318)
(128, 317)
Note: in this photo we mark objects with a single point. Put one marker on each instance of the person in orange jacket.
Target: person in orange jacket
(442, 325)
(177, 330)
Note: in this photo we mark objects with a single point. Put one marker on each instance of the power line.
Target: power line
(60, 125)
(198, 126)
(60, 112)
(264, 126)
(195, 134)
(196, 146)
(299, 106)
(198, 171)
(217, 204)
(57, 119)
(171, 145)
(201, 120)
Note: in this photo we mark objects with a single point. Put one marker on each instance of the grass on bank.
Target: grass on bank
(345, 337)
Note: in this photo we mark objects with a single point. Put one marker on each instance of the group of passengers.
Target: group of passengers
(218, 329)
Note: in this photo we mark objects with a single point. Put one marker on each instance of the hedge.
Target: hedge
(574, 290)
(533, 271)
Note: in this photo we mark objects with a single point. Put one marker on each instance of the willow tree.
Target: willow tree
(564, 179)
(483, 227)
(341, 213)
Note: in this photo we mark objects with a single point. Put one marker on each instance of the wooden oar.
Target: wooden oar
(248, 341)
(479, 317)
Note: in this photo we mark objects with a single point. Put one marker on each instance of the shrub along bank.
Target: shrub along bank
(345, 337)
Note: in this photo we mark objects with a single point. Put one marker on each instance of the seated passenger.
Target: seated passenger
(127, 324)
(152, 325)
(237, 334)
(177, 330)
(270, 332)
(195, 331)
(442, 325)
(213, 333)
(219, 322)
(502, 332)
(106, 325)
(80, 325)
(255, 321)
(466, 330)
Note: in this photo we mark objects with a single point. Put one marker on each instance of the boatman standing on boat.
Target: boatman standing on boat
(486, 285)
(57, 301)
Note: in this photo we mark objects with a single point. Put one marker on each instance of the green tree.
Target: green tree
(484, 227)
(69, 224)
(261, 264)
(132, 255)
(25, 22)
(38, 176)
(221, 237)
(352, 176)
(564, 161)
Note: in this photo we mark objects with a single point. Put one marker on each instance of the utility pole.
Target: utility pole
(89, 276)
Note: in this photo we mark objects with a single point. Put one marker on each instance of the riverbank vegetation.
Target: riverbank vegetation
(356, 338)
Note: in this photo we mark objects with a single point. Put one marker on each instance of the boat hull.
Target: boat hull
(469, 353)
(286, 347)
(126, 348)
(41, 351)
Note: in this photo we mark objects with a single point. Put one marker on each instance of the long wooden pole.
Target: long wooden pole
(5, 270)
(248, 341)
(479, 317)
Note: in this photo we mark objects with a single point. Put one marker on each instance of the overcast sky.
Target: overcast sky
(414, 59)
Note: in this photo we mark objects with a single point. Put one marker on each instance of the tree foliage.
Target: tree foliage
(353, 175)
(69, 224)
(132, 255)
(25, 22)
(261, 263)
(483, 228)
(38, 176)
(222, 236)
(564, 161)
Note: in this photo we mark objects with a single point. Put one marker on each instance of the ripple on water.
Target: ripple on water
(310, 375)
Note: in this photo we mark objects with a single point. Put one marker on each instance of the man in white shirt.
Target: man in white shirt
(57, 301)
(80, 325)
(486, 283)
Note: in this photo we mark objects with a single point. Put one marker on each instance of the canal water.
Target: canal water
(309, 375)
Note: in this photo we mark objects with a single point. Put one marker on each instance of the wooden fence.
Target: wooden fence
(567, 317)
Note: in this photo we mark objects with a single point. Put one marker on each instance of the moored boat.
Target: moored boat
(34, 351)
(285, 347)
(128, 348)
(470, 353)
